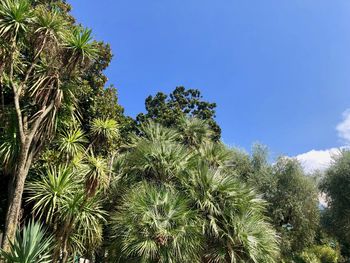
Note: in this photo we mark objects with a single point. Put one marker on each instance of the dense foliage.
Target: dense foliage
(161, 188)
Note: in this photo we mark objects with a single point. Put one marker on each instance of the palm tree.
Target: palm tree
(40, 56)
(31, 245)
(50, 191)
(215, 154)
(155, 224)
(156, 155)
(194, 131)
(234, 223)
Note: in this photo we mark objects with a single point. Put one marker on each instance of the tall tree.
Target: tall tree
(169, 110)
(293, 199)
(336, 186)
(43, 58)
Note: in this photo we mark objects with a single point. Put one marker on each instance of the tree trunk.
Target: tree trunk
(15, 198)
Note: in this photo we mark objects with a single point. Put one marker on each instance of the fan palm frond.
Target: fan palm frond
(234, 221)
(155, 224)
(155, 132)
(194, 131)
(162, 161)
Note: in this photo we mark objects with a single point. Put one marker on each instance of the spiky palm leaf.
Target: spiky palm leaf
(216, 154)
(31, 245)
(155, 132)
(162, 161)
(156, 154)
(59, 197)
(15, 16)
(106, 130)
(49, 24)
(71, 142)
(79, 43)
(52, 190)
(87, 218)
(95, 171)
(155, 224)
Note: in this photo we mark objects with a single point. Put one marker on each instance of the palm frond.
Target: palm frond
(51, 190)
(71, 142)
(155, 224)
(15, 17)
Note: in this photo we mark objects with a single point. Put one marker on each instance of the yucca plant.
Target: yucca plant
(80, 46)
(106, 130)
(95, 173)
(51, 190)
(31, 245)
(71, 142)
(15, 17)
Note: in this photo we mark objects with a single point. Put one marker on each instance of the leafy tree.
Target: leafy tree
(335, 185)
(234, 223)
(169, 110)
(294, 206)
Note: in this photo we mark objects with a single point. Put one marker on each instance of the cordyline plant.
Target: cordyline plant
(41, 60)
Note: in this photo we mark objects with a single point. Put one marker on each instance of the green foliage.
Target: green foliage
(319, 254)
(335, 185)
(294, 206)
(71, 142)
(51, 190)
(176, 194)
(230, 214)
(59, 197)
(233, 218)
(156, 224)
(15, 16)
(169, 110)
(31, 245)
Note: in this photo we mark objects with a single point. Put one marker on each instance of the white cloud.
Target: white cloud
(321, 159)
(343, 127)
(317, 159)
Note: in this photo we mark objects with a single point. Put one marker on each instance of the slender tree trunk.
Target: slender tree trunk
(15, 198)
(2, 97)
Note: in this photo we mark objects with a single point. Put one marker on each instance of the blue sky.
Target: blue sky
(279, 70)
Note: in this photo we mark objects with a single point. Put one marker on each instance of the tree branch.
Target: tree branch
(44, 111)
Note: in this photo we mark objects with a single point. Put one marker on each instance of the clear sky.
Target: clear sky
(279, 70)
